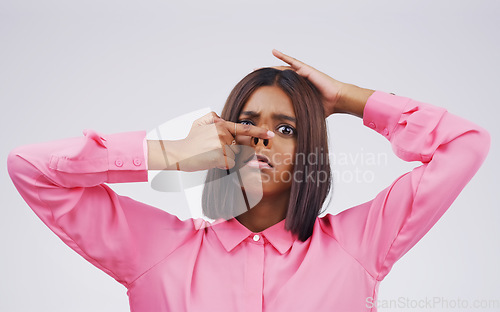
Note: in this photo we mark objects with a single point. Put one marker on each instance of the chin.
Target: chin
(260, 182)
(264, 190)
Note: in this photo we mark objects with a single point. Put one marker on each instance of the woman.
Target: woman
(273, 253)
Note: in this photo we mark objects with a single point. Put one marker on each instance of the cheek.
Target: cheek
(284, 159)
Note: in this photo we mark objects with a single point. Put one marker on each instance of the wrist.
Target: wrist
(162, 154)
(352, 100)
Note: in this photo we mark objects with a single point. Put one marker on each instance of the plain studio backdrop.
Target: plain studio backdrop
(116, 66)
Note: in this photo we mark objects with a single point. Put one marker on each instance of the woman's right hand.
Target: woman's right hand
(208, 144)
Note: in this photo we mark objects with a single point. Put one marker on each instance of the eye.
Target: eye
(286, 129)
(245, 122)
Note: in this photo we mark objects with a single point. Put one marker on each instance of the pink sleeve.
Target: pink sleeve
(63, 183)
(451, 149)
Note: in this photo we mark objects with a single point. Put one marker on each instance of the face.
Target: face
(268, 107)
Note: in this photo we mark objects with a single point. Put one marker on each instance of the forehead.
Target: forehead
(270, 99)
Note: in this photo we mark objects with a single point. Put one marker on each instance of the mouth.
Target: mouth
(259, 161)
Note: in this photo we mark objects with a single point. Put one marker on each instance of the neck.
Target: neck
(269, 211)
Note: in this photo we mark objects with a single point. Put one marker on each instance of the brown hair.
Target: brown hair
(306, 197)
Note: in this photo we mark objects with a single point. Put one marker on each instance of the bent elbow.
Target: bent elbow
(483, 143)
(21, 171)
(14, 163)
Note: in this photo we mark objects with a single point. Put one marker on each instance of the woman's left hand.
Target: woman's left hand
(330, 89)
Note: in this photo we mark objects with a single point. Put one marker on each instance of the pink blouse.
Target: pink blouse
(171, 265)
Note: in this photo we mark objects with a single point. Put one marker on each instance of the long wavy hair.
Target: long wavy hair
(306, 197)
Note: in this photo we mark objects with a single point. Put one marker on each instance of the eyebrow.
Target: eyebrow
(275, 116)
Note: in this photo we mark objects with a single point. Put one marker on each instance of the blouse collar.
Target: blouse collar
(231, 233)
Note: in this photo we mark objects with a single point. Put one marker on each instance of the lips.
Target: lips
(260, 158)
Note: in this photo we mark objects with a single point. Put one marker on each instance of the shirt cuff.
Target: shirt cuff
(126, 155)
(383, 111)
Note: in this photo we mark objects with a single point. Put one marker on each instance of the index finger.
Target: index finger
(294, 63)
(249, 130)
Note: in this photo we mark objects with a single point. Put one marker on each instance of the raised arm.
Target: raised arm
(64, 183)
(451, 149)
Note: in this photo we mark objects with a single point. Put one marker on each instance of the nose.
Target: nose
(257, 142)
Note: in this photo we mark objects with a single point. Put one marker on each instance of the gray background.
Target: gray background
(116, 66)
